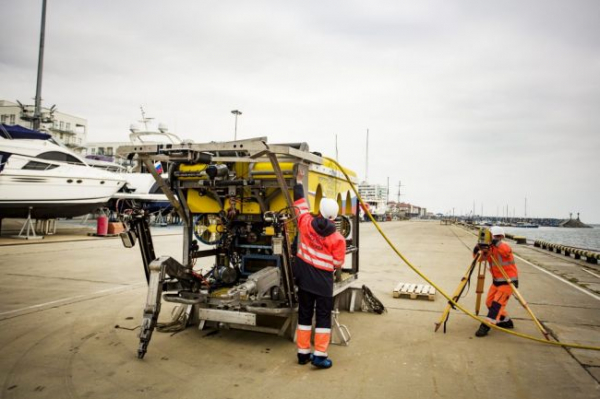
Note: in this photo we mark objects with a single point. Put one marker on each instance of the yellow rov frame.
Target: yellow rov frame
(237, 197)
(324, 181)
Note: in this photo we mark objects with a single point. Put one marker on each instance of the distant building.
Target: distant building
(375, 197)
(406, 210)
(69, 129)
(373, 192)
(106, 150)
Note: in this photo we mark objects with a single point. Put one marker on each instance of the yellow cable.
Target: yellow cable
(416, 270)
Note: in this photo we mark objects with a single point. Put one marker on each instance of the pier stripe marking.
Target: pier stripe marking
(590, 272)
(74, 298)
(560, 278)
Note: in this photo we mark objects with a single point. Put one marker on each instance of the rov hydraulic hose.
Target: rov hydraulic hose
(444, 294)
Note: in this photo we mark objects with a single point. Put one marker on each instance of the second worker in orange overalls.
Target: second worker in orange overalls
(500, 291)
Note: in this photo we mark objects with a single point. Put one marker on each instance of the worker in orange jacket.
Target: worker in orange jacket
(321, 250)
(500, 290)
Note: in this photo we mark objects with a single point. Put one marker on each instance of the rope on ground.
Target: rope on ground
(442, 292)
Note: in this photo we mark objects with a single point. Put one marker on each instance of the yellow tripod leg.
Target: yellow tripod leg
(522, 300)
(457, 293)
(480, 286)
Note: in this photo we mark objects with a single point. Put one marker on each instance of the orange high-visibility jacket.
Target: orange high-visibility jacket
(325, 253)
(505, 259)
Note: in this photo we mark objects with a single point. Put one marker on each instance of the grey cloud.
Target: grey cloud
(455, 93)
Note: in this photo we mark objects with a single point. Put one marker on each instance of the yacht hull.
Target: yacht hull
(49, 210)
(53, 196)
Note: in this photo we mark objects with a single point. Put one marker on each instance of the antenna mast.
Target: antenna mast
(367, 159)
(144, 120)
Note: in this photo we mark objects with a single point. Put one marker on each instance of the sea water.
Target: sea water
(580, 238)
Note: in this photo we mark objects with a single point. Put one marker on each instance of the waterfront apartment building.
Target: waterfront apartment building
(106, 150)
(69, 129)
(373, 192)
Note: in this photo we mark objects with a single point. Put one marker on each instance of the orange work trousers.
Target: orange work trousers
(307, 304)
(496, 301)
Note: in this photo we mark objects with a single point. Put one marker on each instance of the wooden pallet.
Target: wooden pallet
(414, 291)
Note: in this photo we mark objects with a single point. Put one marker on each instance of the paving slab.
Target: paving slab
(579, 334)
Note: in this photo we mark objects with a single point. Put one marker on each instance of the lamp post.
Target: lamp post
(236, 113)
(37, 115)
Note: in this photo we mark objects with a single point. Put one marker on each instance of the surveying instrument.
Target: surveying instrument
(482, 261)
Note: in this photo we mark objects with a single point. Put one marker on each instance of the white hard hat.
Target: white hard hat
(329, 208)
(497, 231)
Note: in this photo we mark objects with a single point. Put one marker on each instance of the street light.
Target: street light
(236, 113)
(37, 114)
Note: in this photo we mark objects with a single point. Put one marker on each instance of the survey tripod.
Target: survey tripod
(482, 261)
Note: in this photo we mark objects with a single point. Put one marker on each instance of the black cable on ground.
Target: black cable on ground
(372, 302)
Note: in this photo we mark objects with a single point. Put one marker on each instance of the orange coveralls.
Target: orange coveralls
(500, 291)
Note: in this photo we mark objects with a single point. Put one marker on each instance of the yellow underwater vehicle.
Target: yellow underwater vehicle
(235, 202)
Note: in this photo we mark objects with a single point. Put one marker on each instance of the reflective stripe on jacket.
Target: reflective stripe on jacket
(503, 256)
(325, 253)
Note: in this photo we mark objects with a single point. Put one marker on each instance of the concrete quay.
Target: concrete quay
(60, 303)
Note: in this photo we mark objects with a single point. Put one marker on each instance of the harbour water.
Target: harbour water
(580, 238)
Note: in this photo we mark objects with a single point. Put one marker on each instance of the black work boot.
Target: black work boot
(322, 362)
(304, 358)
(483, 330)
(506, 324)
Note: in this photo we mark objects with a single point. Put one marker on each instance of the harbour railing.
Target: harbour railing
(574, 252)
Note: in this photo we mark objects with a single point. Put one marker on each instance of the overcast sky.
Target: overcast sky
(465, 101)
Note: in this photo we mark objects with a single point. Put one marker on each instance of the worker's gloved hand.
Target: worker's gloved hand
(481, 248)
(300, 175)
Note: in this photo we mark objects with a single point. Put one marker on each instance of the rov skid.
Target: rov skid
(234, 200)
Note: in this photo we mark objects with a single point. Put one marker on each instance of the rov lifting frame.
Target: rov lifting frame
(181, 284)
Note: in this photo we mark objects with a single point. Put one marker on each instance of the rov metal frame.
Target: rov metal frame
(166, 274)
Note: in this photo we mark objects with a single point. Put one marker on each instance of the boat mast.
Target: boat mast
(37, 116)
(387, 193)
(367, 159)
(337, 159)
(145, 119)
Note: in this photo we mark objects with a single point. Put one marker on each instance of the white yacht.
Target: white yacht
(37, 174)
(140, 186)
(163, 136)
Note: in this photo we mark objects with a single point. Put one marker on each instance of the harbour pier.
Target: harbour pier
(70, 311)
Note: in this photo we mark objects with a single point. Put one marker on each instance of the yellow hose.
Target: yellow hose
(444, 294)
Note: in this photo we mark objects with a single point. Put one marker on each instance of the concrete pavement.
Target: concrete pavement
(60, 304)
